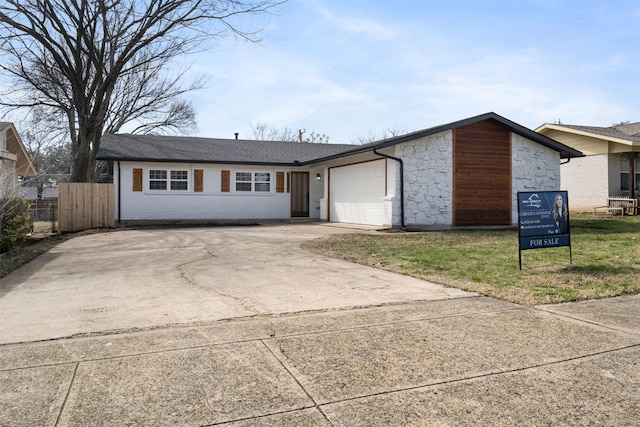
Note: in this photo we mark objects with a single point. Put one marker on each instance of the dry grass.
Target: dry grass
(606, 260)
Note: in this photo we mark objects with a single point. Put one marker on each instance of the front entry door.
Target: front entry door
(300, 194)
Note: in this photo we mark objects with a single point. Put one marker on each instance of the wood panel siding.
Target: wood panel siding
(137, 179)
(279, 182)
(481, 175)
(225, 181)
(198, 180)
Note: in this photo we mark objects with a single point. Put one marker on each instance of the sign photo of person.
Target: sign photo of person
(560, 212)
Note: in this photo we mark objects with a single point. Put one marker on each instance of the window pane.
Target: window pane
(179, 174)
(178, 185)
(243, 186)
(243, 176)
(157, 174)
(263, 177)
(624, 181)
(262, 186)
(157, 185)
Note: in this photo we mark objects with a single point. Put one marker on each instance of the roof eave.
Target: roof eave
(585, 133)
(199, 161)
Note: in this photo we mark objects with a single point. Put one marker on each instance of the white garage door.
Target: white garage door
(357, 193)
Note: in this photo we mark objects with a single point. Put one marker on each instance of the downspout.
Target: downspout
(564, 163)
(375, 151)
(119, 195)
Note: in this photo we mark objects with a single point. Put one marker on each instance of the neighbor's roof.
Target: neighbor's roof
(155, 148)
(628, 134)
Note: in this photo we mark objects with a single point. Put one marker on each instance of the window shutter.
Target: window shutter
(198, 180)
(279, 182)
(137, 179)
(288, 182)
(225, 184)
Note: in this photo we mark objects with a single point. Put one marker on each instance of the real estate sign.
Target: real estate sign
(543, 220)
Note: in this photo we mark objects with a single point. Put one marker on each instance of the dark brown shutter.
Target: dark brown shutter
(279, 182)
(198, 180)
(225, 185)
(137, 179)
(288, 182)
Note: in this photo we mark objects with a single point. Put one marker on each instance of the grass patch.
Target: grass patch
(606, 260)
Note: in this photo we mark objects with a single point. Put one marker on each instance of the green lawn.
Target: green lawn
(606, 260)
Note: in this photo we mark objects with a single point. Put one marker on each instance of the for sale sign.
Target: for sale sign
(543, 220)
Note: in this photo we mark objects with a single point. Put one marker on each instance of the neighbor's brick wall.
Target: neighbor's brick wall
(585, 179)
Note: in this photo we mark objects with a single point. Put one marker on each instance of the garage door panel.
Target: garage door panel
(357, 193)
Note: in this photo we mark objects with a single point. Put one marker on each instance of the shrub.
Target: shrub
(15, 222)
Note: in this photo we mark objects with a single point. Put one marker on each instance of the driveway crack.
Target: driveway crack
(184, 275)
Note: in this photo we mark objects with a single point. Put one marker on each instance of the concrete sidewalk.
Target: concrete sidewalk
(464, 361)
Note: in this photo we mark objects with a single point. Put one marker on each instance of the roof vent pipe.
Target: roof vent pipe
(375, 151)
(236, 134)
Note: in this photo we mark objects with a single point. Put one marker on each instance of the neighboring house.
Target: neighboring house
(462, 173)
(610, 168)
(14, 161)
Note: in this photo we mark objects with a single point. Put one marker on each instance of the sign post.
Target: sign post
(543, 221)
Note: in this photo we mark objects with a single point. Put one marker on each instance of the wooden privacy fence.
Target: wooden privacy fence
(85, 205)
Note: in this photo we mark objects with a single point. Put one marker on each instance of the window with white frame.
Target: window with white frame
(168, 180)
(253, 181)
(179, 180)
(262, 181)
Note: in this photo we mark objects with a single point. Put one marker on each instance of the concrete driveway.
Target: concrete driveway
(418, 354)
(148, 278)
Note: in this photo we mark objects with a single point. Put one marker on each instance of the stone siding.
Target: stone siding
(534, 167)
(428, 186)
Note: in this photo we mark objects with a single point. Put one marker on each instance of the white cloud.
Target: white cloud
(350, 77)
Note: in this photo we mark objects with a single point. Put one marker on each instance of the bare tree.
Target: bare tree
(264, 132)
(371, 137)
(316, 138)
(48, 146)
(100, 64)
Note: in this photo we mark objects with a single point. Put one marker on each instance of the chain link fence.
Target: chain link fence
(44, 216)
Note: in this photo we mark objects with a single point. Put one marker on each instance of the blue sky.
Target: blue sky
(353, 68)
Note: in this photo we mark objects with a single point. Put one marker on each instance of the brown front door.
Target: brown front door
(300, 194)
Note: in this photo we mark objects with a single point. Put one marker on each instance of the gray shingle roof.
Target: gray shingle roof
(628, 132)
(212, 150)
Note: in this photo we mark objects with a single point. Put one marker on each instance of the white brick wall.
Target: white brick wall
(211, 204)
(585, 178)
